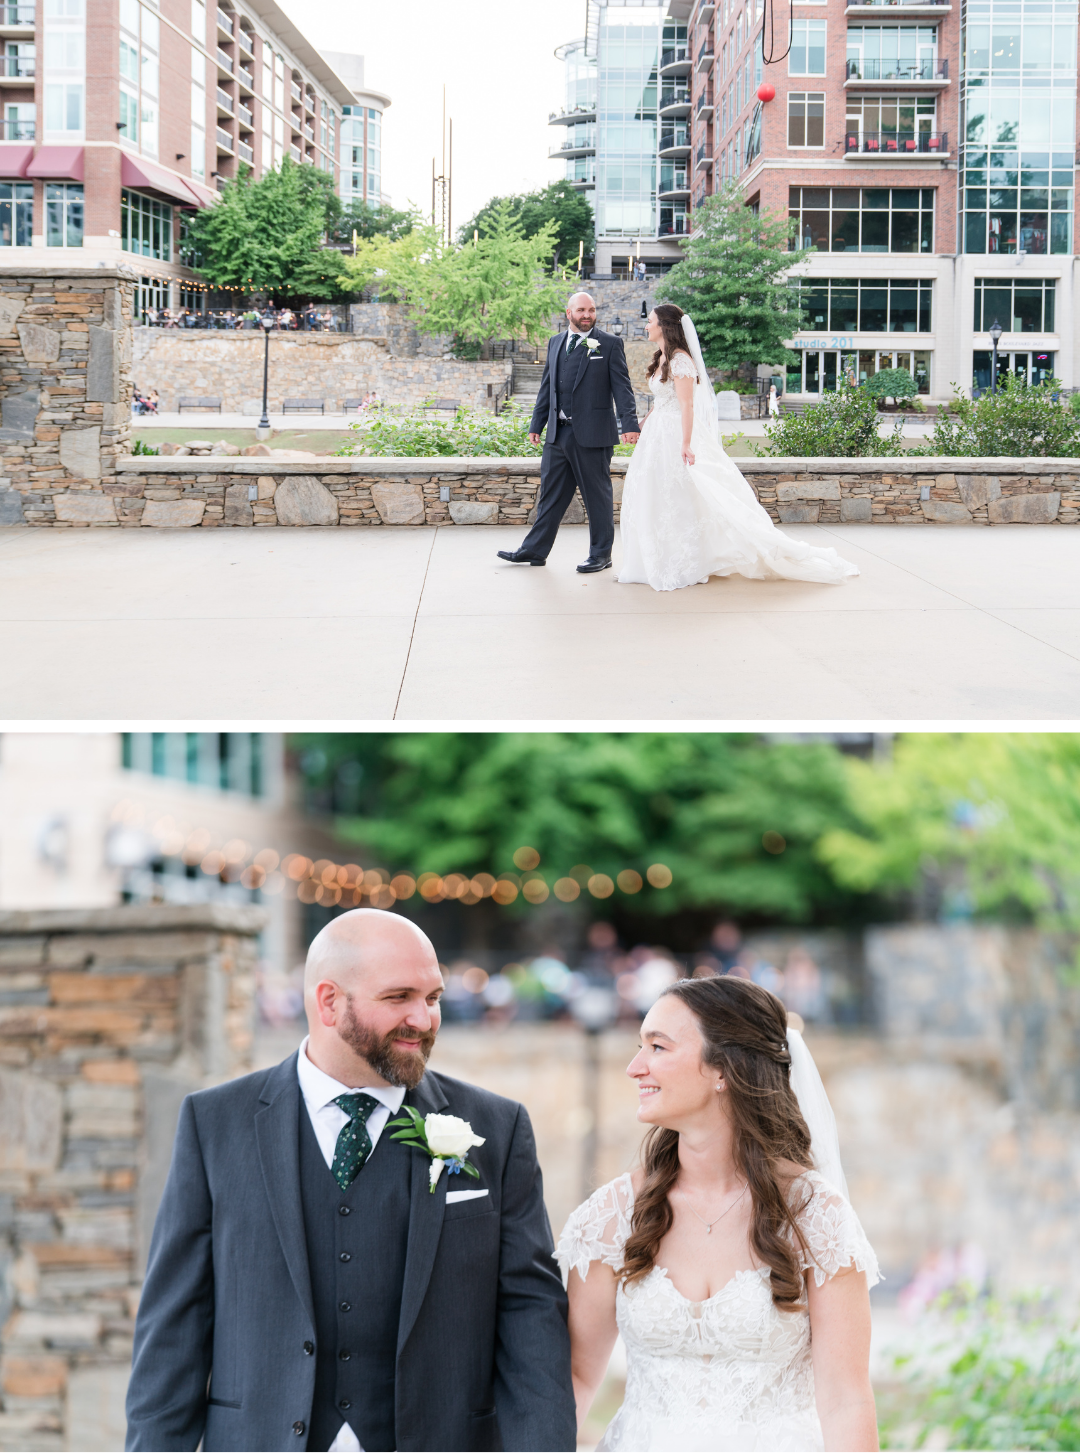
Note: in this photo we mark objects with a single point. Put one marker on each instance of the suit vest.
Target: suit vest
(568, 370)
(356, 1245)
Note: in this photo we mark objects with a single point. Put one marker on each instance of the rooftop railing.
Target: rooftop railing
(897, 143)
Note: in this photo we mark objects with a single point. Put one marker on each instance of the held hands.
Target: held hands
(687, 454)
(630, 438)
(534, 438)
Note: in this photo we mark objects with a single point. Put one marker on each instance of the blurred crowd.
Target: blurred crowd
(554, 985)
(309, 319)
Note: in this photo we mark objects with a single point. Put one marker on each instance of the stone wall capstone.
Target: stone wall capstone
(65, 392)
(108, 1017)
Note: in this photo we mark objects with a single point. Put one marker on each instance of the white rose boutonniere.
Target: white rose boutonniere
(592, 344)
(446, 1138)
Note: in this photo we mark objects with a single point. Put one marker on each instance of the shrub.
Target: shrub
(892, 383)
(395, 433)
(140, 448)
(1020, 420)
(843, 425)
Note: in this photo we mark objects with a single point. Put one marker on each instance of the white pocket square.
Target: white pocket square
(454, 1196)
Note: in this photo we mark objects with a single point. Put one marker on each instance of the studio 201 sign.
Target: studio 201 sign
(832, 340)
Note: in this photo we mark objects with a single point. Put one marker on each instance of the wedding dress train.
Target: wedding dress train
(681, 524)
(728, 1373)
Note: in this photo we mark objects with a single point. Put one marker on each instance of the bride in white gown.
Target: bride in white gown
(732, 1263)
(687, 512)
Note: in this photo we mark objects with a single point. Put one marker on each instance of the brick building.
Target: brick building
(120, 117)
(933, 148)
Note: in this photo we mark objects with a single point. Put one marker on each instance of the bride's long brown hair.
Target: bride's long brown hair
(669, 316)
(744, 1037)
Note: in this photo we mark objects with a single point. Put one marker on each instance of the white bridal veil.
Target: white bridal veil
(704, 398)
(817, 1112)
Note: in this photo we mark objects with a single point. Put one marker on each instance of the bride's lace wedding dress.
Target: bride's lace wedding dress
(680, 525)
(729, 1373)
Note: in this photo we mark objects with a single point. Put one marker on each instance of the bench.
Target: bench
(185, 402)
(452, 404)
(347, 404)
(303, 406)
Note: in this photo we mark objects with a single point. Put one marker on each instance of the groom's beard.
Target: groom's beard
(397, 1067)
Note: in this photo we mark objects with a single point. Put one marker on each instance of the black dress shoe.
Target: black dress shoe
(591, 566)
(518, 557)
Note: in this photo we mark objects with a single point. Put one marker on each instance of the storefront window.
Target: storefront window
(863, 219)
(1025, 306)
(1029, 367)
(865, 305)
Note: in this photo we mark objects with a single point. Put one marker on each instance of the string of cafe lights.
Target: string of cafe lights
(350, 885)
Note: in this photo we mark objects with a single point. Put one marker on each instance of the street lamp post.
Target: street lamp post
(996, 331)
(595, 1008)
(262, 431)
(617, 326)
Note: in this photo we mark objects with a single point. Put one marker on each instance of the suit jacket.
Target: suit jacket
(603, 378)
(483, 1354)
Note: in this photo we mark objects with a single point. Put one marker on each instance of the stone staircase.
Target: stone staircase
(527, 378)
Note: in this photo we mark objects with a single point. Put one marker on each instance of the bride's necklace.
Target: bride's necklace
(710, 1224)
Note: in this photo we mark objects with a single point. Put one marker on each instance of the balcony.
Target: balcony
(224, 60)
(674, 103)
(309, 132)
(245, 152)
(246, 78)
(296, 153)
(704, 109)
(568, 118)
(674, 186)
(246, 117)
(582, 184)
(675, 61)
(908, 7)
(705, 55)
(17, 130)
(703, 161)
(16, 17)
(224, 103)
(677, 227)
(224, 142)
(577, 147)
(896, 145)
(297, 93)
(224, 21)
(246, 41)
(17, 67)
(675, 142)
(704, 13)
(929, 73)
(309, 103)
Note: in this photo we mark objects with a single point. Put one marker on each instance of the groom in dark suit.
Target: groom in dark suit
(316, 1283)
(585, 373)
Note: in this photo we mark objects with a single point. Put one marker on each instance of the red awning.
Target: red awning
(13, 160)
(203, 195)
(57, 161)
(138, 172)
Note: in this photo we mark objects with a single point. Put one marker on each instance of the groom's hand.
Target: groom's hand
(630, 438)
(534, 438)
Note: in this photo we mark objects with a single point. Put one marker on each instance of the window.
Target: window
(1020, 306)
(64, 69)
(63, 214)
(807, 54)
(20, 121)
(822, 370)
(806, 118)
(16, 213)
(145, 226)
(198, 21)
(198, 114)
(867, 219)
(1031, 367)
(188, 252)
(892, 52)
(753, 145)
(1018, 202)
(866, 305)
(892, 124)
(226, 761)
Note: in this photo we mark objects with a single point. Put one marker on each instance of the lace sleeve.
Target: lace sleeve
(682, 366)
(597, 1230)
(834, 1235)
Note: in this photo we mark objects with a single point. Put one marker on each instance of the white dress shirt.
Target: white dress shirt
(327, 1119)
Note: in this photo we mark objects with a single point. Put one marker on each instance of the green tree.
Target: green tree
(732, 280)
(259, 234)
(987, 823)
(735, 819)
(892, 383)
(367, 221)
(558, 203)
(499, 286)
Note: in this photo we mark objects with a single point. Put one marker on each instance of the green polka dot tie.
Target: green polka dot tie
(354, 1143)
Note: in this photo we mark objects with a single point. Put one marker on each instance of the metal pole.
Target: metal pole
(591, 1142)
(993, 368)
(263, 431)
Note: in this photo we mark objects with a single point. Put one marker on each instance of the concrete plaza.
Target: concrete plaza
(425, 625)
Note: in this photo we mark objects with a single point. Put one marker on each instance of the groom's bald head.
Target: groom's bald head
(581, 310)
(364, 942)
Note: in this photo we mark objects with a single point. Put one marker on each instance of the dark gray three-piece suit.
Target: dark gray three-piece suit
(276, 1306)
(580, 386)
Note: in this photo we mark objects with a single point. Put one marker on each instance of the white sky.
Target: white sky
(495, 58)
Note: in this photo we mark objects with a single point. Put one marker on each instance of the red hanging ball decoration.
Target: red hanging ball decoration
(766, 91)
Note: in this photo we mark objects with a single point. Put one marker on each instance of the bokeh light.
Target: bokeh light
(526, 859)
(659, 875)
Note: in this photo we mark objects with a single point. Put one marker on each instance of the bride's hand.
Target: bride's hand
(687, 455)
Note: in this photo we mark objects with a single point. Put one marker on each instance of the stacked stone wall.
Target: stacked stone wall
(329, 366)
(179, 491)
(108, 1017)
(65, 390)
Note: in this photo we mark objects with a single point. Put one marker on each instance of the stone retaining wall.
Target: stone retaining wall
(65, 386)
(327, 366)
(108, 1017)
(231, 491)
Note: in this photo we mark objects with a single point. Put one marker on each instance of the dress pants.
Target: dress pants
(564, 467)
